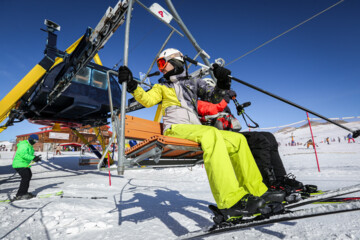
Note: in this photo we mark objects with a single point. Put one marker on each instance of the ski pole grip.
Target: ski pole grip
(356, 133)
(190, 60)
(246, 104)
(154, 74)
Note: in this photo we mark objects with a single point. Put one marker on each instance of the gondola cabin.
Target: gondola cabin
(85, 101)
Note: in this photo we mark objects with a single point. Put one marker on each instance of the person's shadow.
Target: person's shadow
(162, 205)
(167, 201)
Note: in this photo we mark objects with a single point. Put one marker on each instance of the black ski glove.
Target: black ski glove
(230, 94)
(125, 75)
(222, 76)
(37, 158)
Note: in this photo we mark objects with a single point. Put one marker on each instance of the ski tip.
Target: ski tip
(59, 193)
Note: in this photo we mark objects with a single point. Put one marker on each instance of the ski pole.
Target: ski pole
(240, 108)
(355, 133)
(31, 163)
(241, 111)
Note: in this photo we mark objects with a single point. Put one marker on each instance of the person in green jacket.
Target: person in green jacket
(24, 156)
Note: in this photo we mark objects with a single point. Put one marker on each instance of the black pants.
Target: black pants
(26, 175)
(264, 148)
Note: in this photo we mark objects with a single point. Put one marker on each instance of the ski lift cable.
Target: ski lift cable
(296, 26)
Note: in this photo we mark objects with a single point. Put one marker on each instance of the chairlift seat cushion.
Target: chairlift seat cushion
(150, 134)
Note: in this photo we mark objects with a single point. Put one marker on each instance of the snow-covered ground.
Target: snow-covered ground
(167, 203)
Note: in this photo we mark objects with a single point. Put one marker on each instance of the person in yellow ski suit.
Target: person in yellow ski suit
(234, 178)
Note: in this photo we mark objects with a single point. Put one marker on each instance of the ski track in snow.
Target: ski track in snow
(168, 203)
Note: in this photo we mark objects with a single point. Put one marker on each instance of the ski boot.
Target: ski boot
(291, 181)
(310, 188)
(304, 190)
(292, 194)
(249, 206)
(274, 202)
(25, 196)
(246, 207)
(274, 195)
(278, 190)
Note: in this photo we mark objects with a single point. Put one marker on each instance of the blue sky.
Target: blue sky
(315, 65)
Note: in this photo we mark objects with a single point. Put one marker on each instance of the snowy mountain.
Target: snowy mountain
(321, 131)
(168, 203)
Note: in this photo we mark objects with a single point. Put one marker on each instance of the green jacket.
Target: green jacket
(24, 155)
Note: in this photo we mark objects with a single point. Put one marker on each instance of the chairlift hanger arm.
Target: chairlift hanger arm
(157, 55)
(188, 34)
(185, 30)
(121, 134)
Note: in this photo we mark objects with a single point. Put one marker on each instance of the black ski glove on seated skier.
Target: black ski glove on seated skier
(125, 75)
(222, 76)
(230, 94)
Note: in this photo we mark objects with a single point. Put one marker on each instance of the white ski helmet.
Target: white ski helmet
(166, 55)
(210, 82)
(171, 53)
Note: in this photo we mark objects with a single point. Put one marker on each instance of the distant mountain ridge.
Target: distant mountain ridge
(313, 123)
(320, 130)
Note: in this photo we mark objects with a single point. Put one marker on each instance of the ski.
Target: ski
(333, 200)
(287, 216)
(84, 197)
(38, 196)
(292, 215)
(325, 195)
(338, 200)
(47, 195)
(315, 193)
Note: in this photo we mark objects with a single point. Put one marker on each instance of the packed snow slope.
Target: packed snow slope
(168, 203)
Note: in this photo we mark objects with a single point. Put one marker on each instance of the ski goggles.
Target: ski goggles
(162, 62)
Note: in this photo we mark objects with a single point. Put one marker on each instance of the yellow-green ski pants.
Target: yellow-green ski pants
(229, 164)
